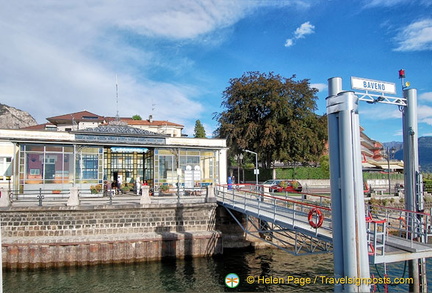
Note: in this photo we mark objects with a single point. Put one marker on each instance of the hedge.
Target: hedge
(309, 173)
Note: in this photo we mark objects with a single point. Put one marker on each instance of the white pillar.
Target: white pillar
(4, 198)
(145, 196)
(222, 167)
(73, 197)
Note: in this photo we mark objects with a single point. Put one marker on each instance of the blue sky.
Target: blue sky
(173, 59)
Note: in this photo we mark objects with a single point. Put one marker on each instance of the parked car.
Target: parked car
(287, 186)
(269, 183)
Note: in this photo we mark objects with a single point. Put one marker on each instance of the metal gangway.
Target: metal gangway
(301, 223)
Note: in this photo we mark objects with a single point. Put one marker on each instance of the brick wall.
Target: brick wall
(56, 236)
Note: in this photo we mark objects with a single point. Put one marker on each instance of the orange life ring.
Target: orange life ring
(312, 214)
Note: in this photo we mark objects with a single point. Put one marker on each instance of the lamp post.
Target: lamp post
(256, 170)
(389, 154)
(239, 159)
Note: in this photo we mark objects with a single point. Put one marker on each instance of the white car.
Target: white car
(269, 183)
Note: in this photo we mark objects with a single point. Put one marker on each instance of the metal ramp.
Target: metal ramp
(284, 221)
(390, 237)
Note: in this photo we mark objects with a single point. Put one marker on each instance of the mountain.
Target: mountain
(425, 153)
(424, 149)
(12, 118)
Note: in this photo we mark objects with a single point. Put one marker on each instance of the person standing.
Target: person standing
(229, 181)
(138, 186)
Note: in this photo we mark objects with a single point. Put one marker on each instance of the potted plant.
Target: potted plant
(95, 189)
(164, 188)
(125, 188)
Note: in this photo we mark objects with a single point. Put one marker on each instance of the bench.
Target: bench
(379, 191)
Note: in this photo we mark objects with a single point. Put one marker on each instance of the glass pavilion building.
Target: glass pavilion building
(57, 160)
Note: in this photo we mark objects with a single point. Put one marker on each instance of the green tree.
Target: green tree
(272, 116)
(199, 131)
(136, 117)
(325, 166)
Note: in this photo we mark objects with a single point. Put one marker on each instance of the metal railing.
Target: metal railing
(293, 209)
(57, 197)
(382, 222)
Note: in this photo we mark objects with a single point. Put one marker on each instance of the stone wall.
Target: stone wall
(57, 236)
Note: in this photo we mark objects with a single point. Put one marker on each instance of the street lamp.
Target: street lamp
(389, 155)
(239, 159)
(256, 170)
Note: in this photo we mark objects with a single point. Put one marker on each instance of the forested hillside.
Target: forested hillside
(425, 153)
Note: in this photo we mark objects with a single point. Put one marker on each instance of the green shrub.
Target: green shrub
(95, 189)
(427, 185)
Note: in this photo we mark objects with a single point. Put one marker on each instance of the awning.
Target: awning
(367, 165)
(392, 167)
(395, 167)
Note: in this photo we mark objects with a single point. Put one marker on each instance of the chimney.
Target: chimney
(150, 119)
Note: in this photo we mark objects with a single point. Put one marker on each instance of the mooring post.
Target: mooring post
(413, 188)
(348, 211)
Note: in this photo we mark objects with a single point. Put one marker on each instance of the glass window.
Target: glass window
(88, 165)
(34, 148)
(53, 148)
(5, 166)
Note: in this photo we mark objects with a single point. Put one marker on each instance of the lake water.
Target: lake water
(190, 275)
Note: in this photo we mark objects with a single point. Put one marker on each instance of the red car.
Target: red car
(287, 186)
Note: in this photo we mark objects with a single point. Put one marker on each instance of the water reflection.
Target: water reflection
(188, 275)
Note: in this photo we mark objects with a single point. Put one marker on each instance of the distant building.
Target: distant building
(85, 119)
(374, 157)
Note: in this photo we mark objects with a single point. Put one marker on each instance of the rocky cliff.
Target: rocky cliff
(12, 118)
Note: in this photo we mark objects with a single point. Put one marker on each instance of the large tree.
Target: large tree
(272, 116)
(199, 131)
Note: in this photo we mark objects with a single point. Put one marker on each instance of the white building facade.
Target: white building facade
(34, 160)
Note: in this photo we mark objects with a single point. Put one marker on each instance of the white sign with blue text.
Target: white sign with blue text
(373, 85)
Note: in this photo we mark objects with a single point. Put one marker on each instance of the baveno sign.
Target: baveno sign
(373, 85)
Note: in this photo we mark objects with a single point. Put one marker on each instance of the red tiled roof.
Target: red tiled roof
(131, 121)
(39, 126)
(78, 116)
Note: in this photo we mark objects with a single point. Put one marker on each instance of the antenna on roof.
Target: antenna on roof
(117, 115)
(153, 107)
(74, 124)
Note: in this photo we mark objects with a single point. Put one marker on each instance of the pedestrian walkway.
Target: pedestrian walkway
(393, 234)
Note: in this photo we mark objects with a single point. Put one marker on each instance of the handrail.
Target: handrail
(279, 198)
(382, 221)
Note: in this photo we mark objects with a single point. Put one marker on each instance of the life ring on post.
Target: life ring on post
(315, 212)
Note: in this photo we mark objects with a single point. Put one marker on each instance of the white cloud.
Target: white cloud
(424, 114)
(62, 57)
(385, 3)
(425, 96)
(319, 86)
(305, 29)
(289, 43)
(416, 36)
